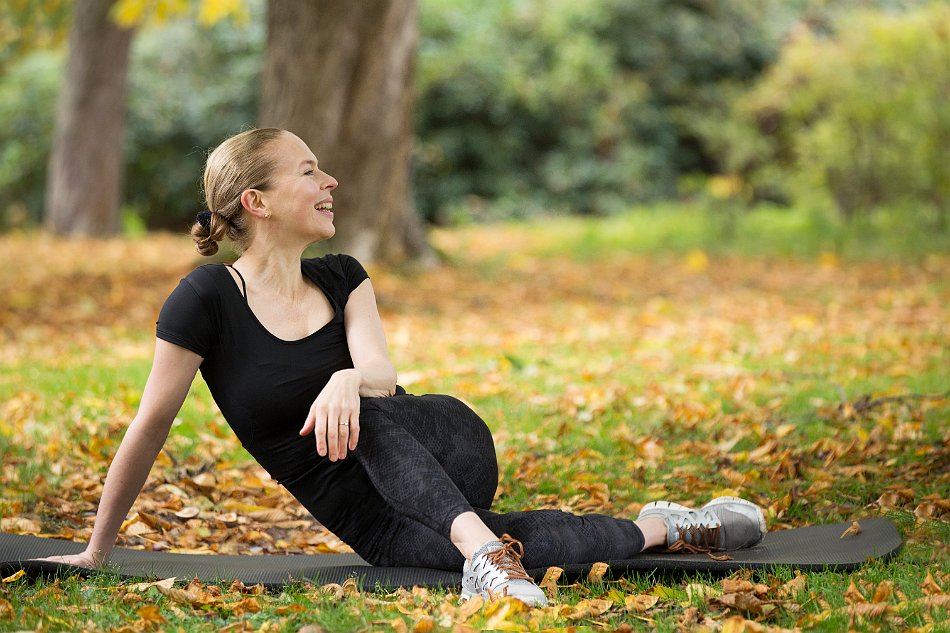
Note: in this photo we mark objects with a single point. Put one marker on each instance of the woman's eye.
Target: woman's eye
(309, 172)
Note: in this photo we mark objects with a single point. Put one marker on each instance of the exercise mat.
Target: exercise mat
(815, 548)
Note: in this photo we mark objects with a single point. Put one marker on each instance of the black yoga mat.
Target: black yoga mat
(810, 549)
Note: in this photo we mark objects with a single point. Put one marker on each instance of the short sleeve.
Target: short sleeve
(353, 272)
(185, 320)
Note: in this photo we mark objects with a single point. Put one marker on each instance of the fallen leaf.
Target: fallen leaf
(549, 582)
(640, 602)
(167, 583)
(597, 571)
(853, 595)
(151, 614)
(853, 530)
(883, 592)
(930, 586)
(15, 576)
(470, 607)
(424, 624)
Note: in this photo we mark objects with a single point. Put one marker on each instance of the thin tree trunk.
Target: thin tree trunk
(84, 181)
(339, 74)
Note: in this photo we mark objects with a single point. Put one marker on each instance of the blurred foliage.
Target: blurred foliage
(30, 25)
(583, 107)
(188, 90)
(524, 106)
(857, 117)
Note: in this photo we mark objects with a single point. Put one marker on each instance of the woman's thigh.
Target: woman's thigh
(450, 431)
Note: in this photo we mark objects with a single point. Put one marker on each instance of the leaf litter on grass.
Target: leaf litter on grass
(817, 391)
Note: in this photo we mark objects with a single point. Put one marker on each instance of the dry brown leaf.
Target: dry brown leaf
(793, 586)
(150, 613)
(167, 583)
(6, 609)
(640, 602)
(745, 602)
(549, 582)
(930, 586)
(738, 624)
(399, 625)
(424, 624)
(587, 608)
(188, 512)
(883, 592)
(853, 530)
(498, 612)
(597, 571)
(853, 595)
(869, 610)
(730, 585)
(468, 608)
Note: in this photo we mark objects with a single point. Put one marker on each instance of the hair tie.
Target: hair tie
(204, 219)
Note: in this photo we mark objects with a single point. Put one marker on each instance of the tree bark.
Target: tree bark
(339, 74)
(84, 181)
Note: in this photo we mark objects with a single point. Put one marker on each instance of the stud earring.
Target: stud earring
(267, 215)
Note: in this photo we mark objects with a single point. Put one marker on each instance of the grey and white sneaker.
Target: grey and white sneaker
(495, 571)
(725, 523)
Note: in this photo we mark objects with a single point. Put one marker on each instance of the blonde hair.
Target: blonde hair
(240, 162)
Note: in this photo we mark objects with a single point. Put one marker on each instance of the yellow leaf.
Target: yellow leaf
(468, 608)
(696, 261)
(151, 613)
(15, 577)
(597, 571)
(424, 625)
(883, 592)
(735, 624)
(498, 612)
(399, 625)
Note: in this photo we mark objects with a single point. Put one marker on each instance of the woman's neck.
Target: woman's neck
(276, 269)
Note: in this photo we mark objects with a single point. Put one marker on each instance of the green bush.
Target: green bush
(858, 118)
(27, 103)
(580, 107)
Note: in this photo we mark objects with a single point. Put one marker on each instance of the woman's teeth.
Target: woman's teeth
(324, 206)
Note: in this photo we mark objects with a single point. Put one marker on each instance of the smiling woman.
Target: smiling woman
(292, 348)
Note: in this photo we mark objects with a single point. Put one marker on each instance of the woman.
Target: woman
(295, 356)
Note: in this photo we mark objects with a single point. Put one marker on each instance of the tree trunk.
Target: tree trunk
(339, 74)
(84, 181)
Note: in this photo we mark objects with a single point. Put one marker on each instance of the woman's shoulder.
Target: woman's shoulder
(206, 280)
(339, 265)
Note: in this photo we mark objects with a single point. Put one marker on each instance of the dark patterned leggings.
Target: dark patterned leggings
(422, 461)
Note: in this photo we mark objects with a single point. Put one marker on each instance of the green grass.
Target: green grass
(603, 353)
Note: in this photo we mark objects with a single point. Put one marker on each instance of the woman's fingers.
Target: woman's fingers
(335, 427)
(354, 428)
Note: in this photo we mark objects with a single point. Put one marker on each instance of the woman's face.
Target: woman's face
(298, 197)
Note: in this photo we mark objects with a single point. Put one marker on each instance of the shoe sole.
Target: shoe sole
(742, 506)
(660, 508)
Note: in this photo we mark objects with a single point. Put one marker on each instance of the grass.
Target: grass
(661, 354)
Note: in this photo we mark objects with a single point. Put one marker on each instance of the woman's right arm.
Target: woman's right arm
(173, 371)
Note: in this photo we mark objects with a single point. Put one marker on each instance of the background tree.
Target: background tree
(340, 75)
(84, 179)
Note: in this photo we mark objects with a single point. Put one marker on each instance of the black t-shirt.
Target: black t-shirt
(263, 385)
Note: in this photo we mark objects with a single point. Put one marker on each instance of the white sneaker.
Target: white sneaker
(725, 523)
(495, 571)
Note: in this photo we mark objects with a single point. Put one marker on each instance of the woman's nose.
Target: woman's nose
(329, 182)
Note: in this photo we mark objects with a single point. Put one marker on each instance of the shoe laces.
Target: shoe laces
(507, 559)
(699, 536)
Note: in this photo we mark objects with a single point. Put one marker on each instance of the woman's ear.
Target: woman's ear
(253, 201)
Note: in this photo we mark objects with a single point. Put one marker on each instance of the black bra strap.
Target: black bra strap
(243, 283)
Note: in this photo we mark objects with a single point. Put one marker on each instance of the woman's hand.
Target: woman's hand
(335, 415)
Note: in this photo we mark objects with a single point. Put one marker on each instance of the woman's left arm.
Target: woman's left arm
(367, 343)
(334, 417)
